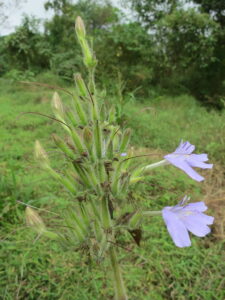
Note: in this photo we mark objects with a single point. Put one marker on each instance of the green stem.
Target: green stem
(120, 292)
(152, 213)
(155, 165)
(136, 174)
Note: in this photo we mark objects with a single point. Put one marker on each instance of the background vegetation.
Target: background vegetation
(173, 45)
(164, 69)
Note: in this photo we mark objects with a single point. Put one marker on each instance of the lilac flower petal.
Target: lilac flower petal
(198, 206)
(183, 158)
(208, 220)
(189, 149)
(196, 223)
(180, 219)
(195, 163)
(176, 229)
(178, 149)
(183, 165)
(185, 148)
(200, 157)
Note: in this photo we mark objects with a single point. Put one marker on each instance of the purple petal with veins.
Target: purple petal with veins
(183, 159)
(180, 219)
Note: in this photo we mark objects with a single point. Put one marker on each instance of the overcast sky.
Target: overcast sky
(30, 7)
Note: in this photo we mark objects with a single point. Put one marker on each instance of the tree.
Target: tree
(186, 42)
(215, 8)
(25, 48)
(214, 75)
(151, 11)
(191, 44)
(98, 16)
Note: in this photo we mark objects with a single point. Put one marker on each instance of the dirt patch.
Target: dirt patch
(214, 197)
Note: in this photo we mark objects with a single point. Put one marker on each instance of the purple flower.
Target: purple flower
(183, 159)
(123, 154)
(182, 218)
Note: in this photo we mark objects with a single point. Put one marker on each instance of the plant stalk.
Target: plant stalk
(120, 291)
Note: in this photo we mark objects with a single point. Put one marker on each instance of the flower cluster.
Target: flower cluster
(183, 217)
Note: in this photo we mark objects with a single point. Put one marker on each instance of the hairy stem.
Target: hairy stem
(120, 292)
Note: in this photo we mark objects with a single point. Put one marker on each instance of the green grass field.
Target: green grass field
(35, 268)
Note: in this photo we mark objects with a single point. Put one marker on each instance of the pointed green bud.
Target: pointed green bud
(125, 140)
(63, 146)
(77, 141)
(41, 155)
(80, 111)
(66, 182)
(87, 135)
(89, 59)
(72, 117)
(80, 85)
(58, 110)
(92, 178)
(34, 220)
(57, 105)
(88, 141)
(80, 28)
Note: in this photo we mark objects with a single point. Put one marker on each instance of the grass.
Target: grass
(32, 268)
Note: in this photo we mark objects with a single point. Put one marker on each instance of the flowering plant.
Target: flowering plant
(100, 173)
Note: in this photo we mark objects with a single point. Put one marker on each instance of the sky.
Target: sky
(29, 7)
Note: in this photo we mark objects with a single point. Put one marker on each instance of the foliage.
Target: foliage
(212, 80)
(187, 41)
(25, 48)
(152, 11)
(60, 33)
(166, 43)
(213, 7)
(191, 45)
(131, 53)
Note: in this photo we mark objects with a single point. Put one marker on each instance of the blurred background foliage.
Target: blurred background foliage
(175, 46)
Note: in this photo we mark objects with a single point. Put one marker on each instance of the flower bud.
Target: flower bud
(125, 140)
(63, 146)
(80, 28)
(58, 110)
(34, 220)
(87, 135)
(40, 154)
(57, 104)
(80, 85)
